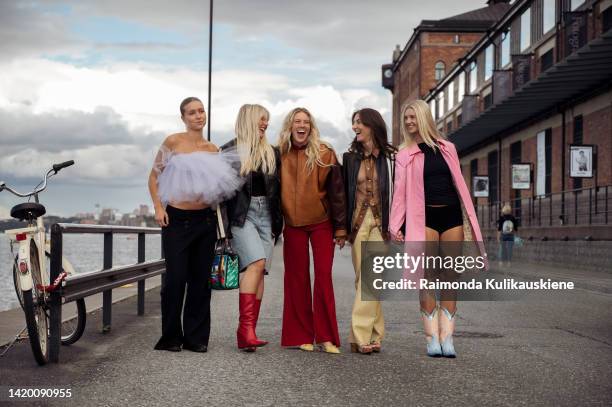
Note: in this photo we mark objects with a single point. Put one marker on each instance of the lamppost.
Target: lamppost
(210, 33)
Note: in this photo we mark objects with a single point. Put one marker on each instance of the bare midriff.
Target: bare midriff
(189, 206)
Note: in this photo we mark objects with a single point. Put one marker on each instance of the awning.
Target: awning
(587, 69)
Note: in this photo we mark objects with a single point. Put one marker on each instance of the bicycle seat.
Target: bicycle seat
(27, 211)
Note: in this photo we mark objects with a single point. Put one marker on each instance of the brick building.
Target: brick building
(529, 107)
(434, 47)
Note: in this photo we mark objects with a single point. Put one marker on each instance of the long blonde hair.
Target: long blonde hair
(425, 121)
(313, 148)
(255, 152)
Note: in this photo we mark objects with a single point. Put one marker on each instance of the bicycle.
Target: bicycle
(31, 273)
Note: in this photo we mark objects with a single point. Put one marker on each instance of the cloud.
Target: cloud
(108, 164)
(27, 30)
(323, 27)
(67, 130)
(68, 108)
(101, 143)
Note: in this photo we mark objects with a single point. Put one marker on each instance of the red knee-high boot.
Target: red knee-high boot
(245, 335)
(257, 308)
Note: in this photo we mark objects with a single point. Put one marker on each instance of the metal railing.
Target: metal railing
(103, 281)
(576, 207)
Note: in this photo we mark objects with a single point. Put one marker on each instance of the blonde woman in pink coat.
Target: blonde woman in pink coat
(432, 199)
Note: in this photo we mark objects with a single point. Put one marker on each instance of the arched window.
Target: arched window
(439, 70)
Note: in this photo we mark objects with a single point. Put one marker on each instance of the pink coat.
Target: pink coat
(409, 194)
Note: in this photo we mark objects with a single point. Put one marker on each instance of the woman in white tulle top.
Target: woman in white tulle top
(189, 178)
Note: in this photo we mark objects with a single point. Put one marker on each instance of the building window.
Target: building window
(515, 158)
(451, 95)
(548, 160)
(606, 19)
(546, 60)
(488, 101)
(576, 4)
(550, 15)
(492, 161)
(461, 87)
(505, 49)
(488, 62)
(442, 104)
(432, 107)
(449, 126)
(439, 70)
(578, 139)
(456, 39)
(473, 77)
(526, 30)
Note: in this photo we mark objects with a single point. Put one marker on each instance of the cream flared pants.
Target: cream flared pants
(367, 322)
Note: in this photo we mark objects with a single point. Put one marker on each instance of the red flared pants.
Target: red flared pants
(306, 318)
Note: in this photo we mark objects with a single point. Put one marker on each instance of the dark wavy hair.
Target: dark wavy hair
(186, 101)
(374, 121)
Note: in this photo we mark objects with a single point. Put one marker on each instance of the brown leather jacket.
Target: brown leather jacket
(307, 197)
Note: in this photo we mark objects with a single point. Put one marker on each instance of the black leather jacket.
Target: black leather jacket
(385, 168)
(238, 206)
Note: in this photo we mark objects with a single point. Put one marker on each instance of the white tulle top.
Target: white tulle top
(199, 176)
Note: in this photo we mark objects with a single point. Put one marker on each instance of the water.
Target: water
(84, 251)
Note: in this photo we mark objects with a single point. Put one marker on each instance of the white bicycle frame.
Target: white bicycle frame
(37, 235)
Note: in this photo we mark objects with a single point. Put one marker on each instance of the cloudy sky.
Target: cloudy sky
(100, 81)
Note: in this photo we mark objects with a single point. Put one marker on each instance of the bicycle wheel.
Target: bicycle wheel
(72, 330)
(17, 283)
(37, 318)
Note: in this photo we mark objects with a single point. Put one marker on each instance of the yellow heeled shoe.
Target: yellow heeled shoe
(333, 349)
(307, 347)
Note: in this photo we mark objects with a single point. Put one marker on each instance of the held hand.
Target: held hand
(161, 216)
(340, 241)
(399, 237)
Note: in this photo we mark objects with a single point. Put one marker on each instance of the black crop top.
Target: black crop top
(258, 186)
(439, 186)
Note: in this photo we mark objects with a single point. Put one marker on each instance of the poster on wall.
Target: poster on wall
(480, 186)
(521, 176)
(581, 161)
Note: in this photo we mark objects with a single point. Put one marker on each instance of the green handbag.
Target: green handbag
(225, 267)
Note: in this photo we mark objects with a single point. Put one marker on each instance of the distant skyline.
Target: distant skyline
(100, 81)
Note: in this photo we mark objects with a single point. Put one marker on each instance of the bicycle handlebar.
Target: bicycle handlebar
(57, 167)
(54, 170)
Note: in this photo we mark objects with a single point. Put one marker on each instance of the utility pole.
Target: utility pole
(210, 33)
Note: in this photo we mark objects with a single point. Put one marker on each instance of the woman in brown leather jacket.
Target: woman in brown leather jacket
(368, 177)
(314, 210)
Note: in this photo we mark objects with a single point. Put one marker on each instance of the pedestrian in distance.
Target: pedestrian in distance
(254, 215)
(368, 178)
(431, 197)
(314, 211)
(507, 231)
(189, 178)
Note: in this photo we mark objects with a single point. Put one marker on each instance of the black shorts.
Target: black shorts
(443, 218)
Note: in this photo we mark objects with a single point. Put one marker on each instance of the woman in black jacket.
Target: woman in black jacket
(255, 216)
(368, 177)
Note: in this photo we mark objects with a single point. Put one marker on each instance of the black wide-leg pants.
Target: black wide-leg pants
(189, 243)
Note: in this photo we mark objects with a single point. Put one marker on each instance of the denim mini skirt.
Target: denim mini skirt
(253, 241)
